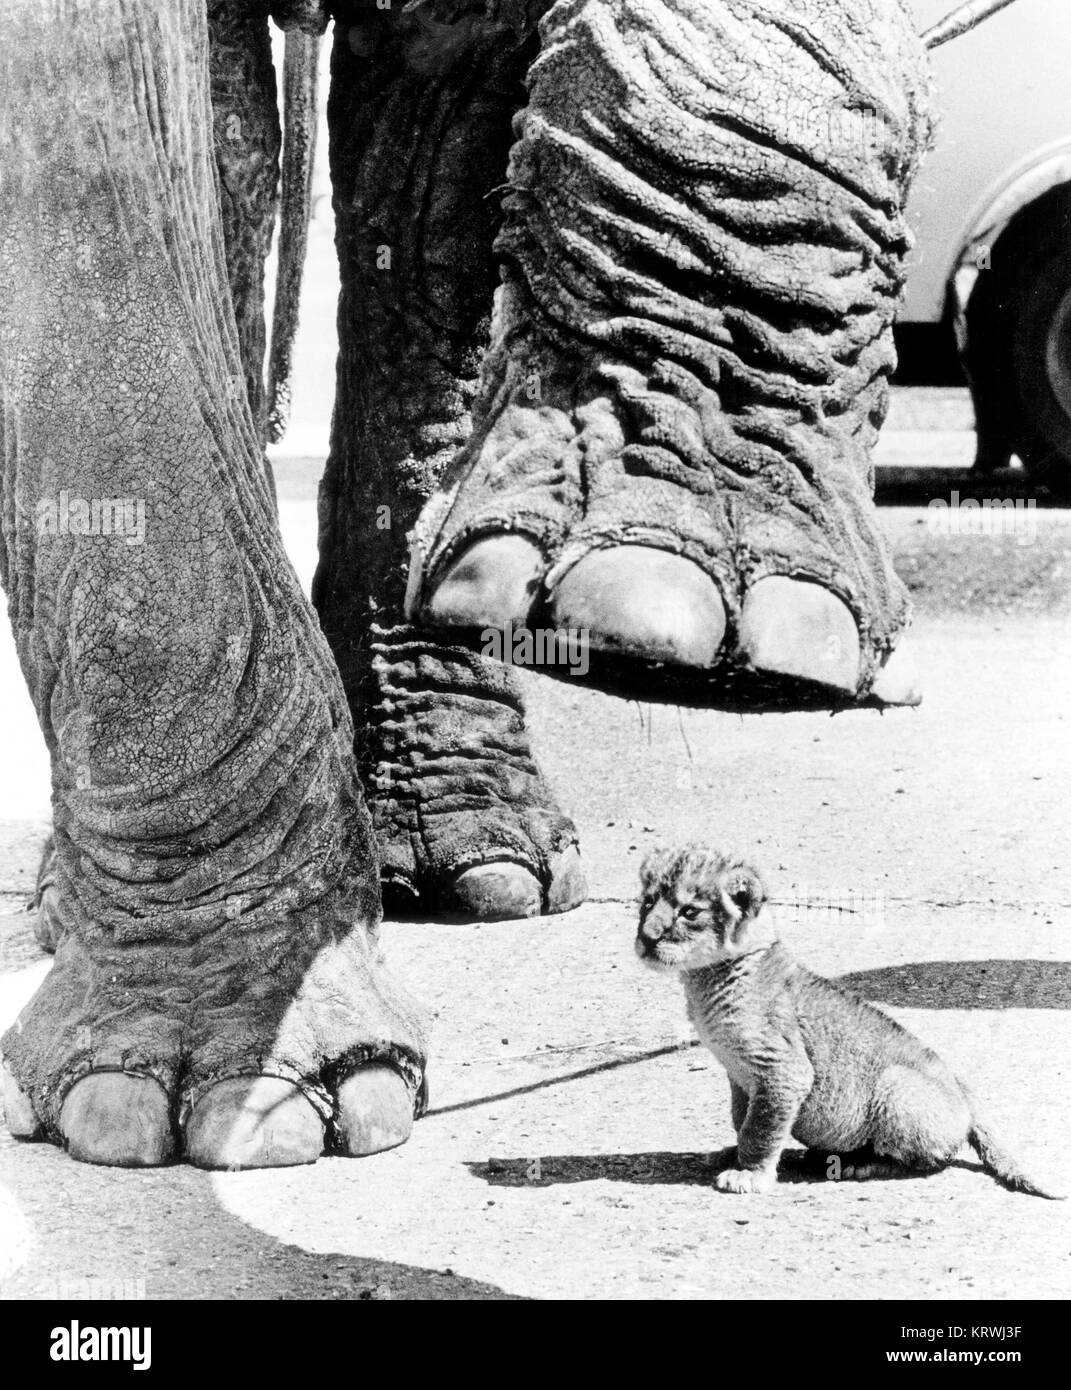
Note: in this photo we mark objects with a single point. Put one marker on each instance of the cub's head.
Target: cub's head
(698, 907)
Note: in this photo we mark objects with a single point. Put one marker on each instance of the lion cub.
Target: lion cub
(804, 1057)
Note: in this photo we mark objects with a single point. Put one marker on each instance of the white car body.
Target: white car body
(1004, 138)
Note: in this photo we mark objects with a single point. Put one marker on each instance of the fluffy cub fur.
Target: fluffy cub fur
(805, 1058)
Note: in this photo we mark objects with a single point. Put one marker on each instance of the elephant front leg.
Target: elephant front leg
(420, 113)
(218, 989)
(702, 254)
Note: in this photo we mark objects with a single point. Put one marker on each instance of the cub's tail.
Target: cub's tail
(997, 1161)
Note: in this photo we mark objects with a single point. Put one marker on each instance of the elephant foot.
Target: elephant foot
(561, 519)
(267, 1122)
(466, 824)
(125, 1121)
(687, 370)
(635, 601)
(262, 1066)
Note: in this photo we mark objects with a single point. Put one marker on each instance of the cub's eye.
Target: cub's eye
(691, 913)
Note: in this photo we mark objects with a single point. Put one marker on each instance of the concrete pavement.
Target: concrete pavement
(922, 853)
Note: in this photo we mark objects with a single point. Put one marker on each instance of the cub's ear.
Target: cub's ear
(745, 890)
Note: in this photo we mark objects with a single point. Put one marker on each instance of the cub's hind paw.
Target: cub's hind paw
(745, 1180)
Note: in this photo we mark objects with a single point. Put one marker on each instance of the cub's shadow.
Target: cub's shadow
(966, 984)
(660, 1169)
(648, 1169)
(979, 984)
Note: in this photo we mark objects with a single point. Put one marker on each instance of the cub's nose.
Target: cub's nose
(651, 931)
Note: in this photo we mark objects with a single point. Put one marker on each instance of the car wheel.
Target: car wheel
(1041, 356)
(1019, 344)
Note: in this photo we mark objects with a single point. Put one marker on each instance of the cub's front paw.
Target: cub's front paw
(745, 1180)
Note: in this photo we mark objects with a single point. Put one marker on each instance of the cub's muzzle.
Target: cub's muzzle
(654, 926)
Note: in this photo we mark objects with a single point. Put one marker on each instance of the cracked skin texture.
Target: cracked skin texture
(218, 983)
(702, 254)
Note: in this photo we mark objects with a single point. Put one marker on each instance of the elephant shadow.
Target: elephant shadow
(161, 1233)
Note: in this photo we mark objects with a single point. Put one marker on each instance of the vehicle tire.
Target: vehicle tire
(1018, 356)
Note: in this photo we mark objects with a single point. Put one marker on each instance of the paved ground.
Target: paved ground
(922, 853)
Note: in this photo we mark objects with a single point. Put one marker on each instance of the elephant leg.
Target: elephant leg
(420, 117)
(246, 142)
(701, 255)
(218, 989)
